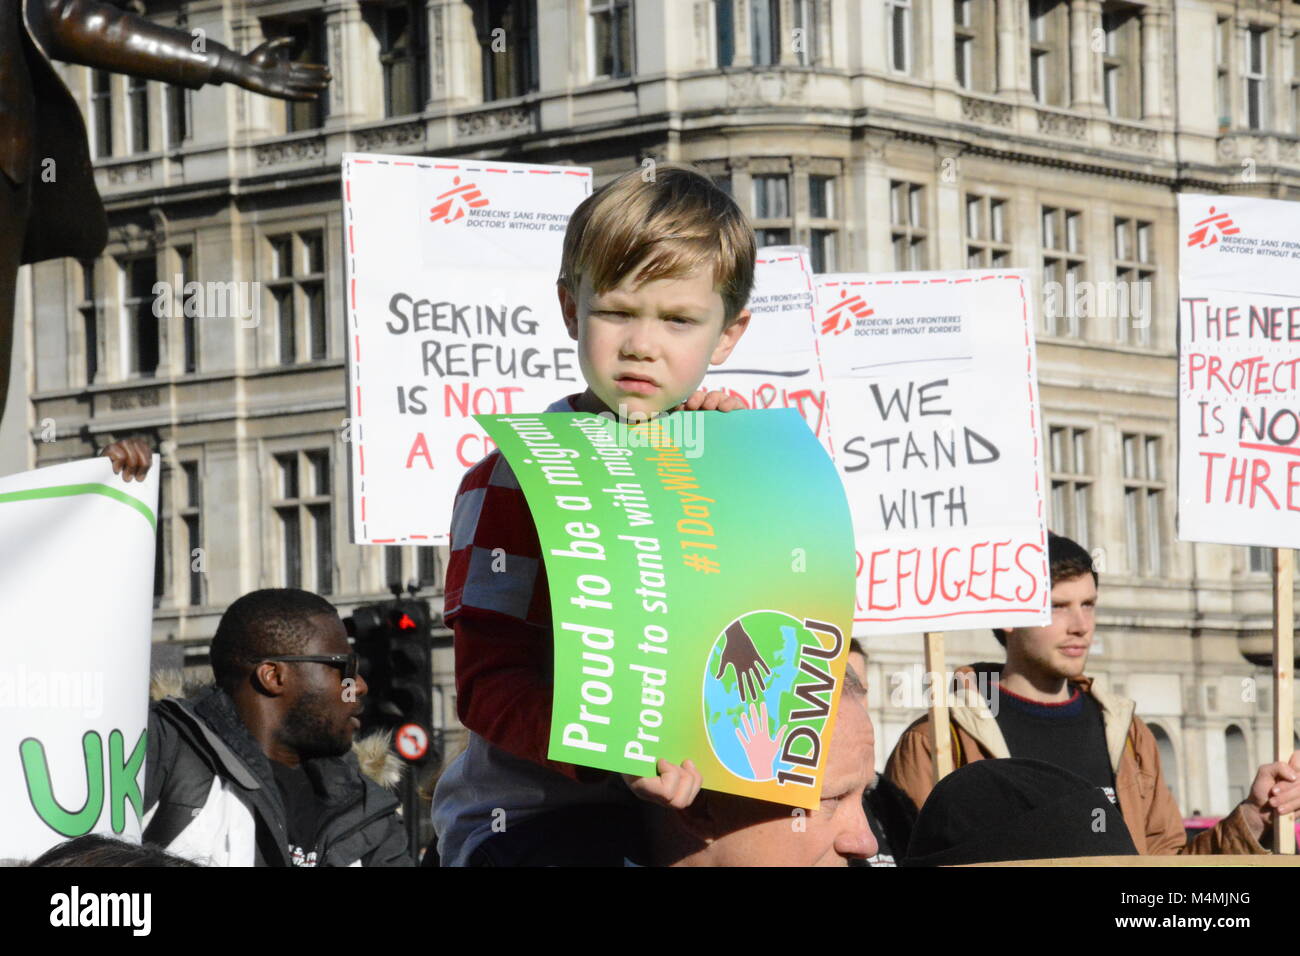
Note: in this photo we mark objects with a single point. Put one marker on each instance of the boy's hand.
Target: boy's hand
(675, 786)
(706, 401)
(131, 458)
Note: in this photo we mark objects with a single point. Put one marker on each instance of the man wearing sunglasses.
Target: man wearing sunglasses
(258, 770)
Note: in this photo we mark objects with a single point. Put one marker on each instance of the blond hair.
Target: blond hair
(673, 223)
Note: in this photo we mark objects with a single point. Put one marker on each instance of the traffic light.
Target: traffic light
(410, 667)
(368, 627)
(394, 643)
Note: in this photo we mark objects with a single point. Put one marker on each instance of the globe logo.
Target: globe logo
(767, 694)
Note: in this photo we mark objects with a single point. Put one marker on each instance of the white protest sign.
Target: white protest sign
(452, 312)
(933, 381)
(1238, 353)
(74, 681)
(775, 363)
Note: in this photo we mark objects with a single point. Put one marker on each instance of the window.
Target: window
(508, 45)
(1071, 478)
(1261, 560)
(1295, 86)
(987, 245)
(975, 50)
(821, 197)
(178, 115)
(307, 45)
(137, 99)
(822, 251)
(301, 504)
(1239, 774)
(1063, 275)
(772, 237)
(805, 22)
(765, 31)
(772, 202)
(101, 100)
(907, 221)
(1168, 757)
(1049, 68)
(313, 290)
(1143, 500)
(285, 314)
(724, 27)
(190, 513)
(403, 55)
(1121, 65)
(411, 565)
(898, 30)
(1222, 85)
(162, 541)
(822, 237)
(964, 40)
(611, 37)
(1134, 280)
(89, 310)
(190, 308)
(393, 567)
(298, 291)
(771, 196)
(426, 567)
(1256, 78)
(138, 279)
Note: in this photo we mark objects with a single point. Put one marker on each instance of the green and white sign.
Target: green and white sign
(76, 602)
(701, 575)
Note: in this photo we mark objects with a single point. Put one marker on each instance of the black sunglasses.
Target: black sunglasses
(347, 662)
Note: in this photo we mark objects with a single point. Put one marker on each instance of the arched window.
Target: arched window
(1168, 759)
(1239, 775)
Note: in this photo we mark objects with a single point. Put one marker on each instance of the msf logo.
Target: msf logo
(1207, 232)
(841, 315)
(452, 204)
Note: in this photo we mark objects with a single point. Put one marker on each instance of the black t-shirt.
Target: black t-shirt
(304, 811)
(891, 815)
(1070, 735)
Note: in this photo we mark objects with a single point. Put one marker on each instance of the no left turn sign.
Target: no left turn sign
(412, 741)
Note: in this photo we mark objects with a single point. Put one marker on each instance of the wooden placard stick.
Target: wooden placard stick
(940, 735)
(1283, 661)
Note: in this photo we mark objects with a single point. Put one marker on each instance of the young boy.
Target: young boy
(653, 284)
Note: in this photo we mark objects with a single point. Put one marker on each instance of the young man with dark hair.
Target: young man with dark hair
(258, 769)
(1039, 705)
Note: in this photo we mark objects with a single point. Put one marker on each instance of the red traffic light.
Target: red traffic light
(404, 623)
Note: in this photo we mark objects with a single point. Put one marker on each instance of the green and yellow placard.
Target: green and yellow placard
(701, 574)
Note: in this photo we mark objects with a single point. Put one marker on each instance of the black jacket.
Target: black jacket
(210, 793)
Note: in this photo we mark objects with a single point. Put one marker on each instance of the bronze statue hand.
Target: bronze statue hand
(267, 70)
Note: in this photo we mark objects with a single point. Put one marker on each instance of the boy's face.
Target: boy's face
(647, 348)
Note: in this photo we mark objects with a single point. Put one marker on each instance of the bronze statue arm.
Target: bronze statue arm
(98, 35)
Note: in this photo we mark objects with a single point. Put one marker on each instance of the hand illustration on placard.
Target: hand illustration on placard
(741, 655)
(760, 748)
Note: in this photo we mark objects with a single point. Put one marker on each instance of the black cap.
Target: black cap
(1012, 809)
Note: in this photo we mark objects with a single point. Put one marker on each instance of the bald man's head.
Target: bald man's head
(722, 829)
